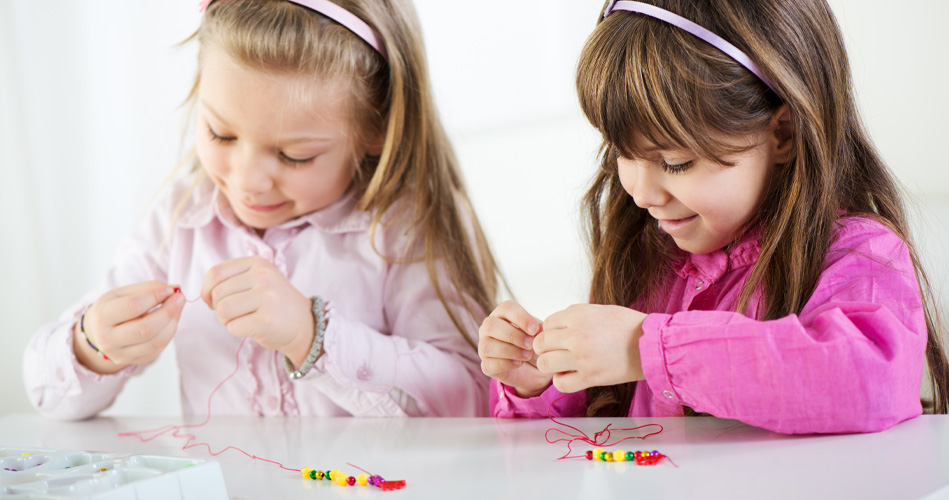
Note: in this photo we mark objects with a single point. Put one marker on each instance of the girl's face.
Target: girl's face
(702, 204)
(277, 146)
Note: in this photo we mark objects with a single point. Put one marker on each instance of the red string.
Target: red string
(600, 439)
(190, 443)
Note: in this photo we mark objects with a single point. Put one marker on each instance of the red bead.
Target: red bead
(177, 289)
(589, 454)
(350, 480)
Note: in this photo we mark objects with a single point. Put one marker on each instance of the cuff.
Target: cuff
(653, 357)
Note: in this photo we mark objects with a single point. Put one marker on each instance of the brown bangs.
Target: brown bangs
(664, 87)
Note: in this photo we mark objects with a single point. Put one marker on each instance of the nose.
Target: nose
(648, 190)
(249, 174)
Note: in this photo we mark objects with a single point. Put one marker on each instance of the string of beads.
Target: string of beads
(343, 480)
(640, 457)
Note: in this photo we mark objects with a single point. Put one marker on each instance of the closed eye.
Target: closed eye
(296, 162)
(219, 138)
(677, 168)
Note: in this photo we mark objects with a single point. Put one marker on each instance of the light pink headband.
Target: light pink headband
(341, 16)
(683, 23)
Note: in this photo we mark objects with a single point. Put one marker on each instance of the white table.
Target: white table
(489, 459)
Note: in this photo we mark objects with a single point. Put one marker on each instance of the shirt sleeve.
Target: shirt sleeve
(550, 403)
(422, 366)
(851, 361)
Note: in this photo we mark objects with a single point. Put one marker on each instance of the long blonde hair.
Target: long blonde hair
(639, 74)
(415, 181)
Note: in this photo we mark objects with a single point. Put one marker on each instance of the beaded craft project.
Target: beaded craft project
(343, 480)
(640, 457)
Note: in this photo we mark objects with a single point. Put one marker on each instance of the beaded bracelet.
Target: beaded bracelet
(640, 457)
(319, 318)
(82, 331)
(343, 480)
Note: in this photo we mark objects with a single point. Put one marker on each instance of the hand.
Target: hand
(590, 345)
(504, 344)
(252, 299)
(131, 325)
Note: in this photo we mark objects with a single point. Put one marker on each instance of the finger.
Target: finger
(554, 339)
(498, 328)
(132, 303)
(221, 272)
(493, 348)
(561, 319)
(513, 313)
(556, 362)
(568, 382)
(493, 367)
(234, 308)
(143, 329)
(236, 284)
(148, 351)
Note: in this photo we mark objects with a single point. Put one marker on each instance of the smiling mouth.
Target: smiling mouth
(672, 226)
(263, 208)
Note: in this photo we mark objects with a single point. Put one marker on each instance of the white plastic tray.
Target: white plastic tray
(48, 474)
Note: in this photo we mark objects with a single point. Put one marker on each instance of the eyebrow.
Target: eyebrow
(284, 142)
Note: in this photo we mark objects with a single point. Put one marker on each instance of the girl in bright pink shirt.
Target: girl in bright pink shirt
(750, 250)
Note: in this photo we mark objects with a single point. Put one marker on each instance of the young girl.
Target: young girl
(750, 250)
(324, 221)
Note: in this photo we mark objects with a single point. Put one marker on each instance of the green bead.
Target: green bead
(312, 474)
(630, 456)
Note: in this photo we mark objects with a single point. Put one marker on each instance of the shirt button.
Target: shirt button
(699, 285)
(668, 394)
(364, 373)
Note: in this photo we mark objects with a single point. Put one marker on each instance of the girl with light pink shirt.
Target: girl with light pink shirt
(323, 219)
(750, 250)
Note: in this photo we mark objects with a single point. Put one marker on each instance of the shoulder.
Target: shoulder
(866, 237)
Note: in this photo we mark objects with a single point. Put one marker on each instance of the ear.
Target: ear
(782, 125)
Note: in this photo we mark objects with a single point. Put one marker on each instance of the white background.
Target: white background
(90, 126)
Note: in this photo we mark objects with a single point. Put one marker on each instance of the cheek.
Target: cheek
(627, 179)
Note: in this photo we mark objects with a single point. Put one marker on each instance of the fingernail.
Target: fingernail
(532, 328)
(517, 362)
(527, 354)
(528, 342)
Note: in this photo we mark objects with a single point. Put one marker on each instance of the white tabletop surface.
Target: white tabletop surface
(491, 458)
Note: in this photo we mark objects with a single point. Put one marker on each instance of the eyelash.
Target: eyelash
(679, 168)
(293, 162)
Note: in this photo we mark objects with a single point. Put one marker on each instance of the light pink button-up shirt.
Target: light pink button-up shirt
(391, 349)
(852, 361)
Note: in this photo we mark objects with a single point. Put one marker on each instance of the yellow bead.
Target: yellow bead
(305, 472)
(341, 479)
(645, 453)
(608, 457)
(619, 456)
(597, 453)
(362, 479)
(334, 473)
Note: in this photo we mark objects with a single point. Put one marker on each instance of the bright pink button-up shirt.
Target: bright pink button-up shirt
(391, 349)
(851, 361)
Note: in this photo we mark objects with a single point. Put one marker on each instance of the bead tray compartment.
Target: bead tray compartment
(49, 474)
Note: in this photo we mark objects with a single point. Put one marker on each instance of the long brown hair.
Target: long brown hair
(416, 180)
(638, 74)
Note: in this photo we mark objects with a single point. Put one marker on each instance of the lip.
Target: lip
(263, 208)
(673, 226)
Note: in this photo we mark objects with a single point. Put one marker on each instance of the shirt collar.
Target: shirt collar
(711, 266)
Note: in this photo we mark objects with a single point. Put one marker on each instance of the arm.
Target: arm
(850, 362)
(58, 383)
(423, 368)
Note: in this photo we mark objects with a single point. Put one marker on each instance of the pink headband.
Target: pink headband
(341, 16)
(683, 23)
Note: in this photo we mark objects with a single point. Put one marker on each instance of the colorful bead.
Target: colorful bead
(305, 472)
(362, 479)
(640, 457)
(350, 480)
